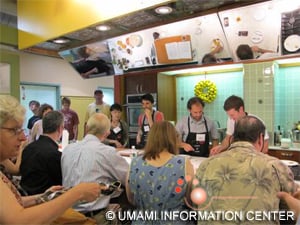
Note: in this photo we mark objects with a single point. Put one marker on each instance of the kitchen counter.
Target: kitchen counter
(285, 149)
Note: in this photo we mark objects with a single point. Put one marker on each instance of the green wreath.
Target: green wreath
(206, 90)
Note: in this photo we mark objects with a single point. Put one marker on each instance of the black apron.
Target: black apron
(201, 147)
(145, 131)
(116, 135)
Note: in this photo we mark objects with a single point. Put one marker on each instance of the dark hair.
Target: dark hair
(208, 59)
(52, 121)
(233, 102)
(43, 108)
(162, 136)
(98, 92)
(148, 97)
(194, 101)
(248, 128)
(34, 102)
(244, 52)
(116, 106)
(66, 100)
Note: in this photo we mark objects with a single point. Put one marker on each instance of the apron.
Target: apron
(145, 131)
(116, 134)
(199, 141)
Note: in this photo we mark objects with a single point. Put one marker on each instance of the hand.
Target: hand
(89, 191)
(215, 150)
(218, 48)
(293, 202)
(148, 113)
(118, 144)
(188, 148)
(256, 49)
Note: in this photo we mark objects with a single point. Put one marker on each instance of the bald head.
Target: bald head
(248, 128)
(98, 124)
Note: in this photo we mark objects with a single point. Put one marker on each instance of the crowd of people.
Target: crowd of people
(234, 175)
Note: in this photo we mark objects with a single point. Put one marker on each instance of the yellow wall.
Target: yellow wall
(79, 105)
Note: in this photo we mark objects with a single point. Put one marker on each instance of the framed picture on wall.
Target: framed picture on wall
(4, 78)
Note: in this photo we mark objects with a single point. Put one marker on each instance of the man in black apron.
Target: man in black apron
(195, 130)
(146, 120)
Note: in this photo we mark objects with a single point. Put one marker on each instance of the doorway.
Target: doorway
(44, 93)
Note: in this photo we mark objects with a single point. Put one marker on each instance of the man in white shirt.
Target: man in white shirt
(99, 106)
(235, 109)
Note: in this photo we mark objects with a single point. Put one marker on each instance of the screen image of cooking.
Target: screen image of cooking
(90, 61)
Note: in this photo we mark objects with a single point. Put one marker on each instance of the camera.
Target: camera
(111, 187)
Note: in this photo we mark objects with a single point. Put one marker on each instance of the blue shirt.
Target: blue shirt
(90, 160)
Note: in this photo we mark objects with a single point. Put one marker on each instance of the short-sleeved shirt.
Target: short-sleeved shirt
(242, 179)
(93, 108)
(231, 123)
(196, 127)
(70, 120)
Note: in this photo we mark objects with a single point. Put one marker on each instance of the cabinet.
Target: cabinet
(141, 83)
(285, 154)
(149, 82)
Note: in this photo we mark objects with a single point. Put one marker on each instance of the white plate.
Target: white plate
(292, 43)
(290, 162)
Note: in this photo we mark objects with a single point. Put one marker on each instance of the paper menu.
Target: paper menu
(179, 50)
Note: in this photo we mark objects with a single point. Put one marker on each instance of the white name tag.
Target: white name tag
(146, 128)
(117, 130)
(200, 137)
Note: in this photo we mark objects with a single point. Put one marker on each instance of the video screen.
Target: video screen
(90, 61)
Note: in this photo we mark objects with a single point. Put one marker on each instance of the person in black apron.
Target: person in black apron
(146, 120)
(196, 130)
(199, 141)
(118, 136)
(145, 131)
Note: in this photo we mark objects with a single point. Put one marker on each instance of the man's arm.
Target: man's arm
(222, 147)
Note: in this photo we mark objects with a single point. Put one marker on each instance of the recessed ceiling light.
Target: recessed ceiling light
(61, 40)
(164, 10)
(103, 27)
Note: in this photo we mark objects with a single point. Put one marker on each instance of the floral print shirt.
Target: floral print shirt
(242, 180)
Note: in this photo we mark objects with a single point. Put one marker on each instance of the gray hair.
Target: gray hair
(11, 109)
(98, 124)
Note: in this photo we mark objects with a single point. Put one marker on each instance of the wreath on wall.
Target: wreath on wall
(206, 90)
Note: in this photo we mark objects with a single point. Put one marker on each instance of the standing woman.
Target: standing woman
(118, 136)
(24, 210)
(157, 181)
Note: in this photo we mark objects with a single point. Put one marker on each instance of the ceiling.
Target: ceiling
(182, 9)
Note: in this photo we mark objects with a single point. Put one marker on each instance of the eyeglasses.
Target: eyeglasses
(16, 131)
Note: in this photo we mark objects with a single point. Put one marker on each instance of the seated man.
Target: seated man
(90, 160)
(40, 165)
(243, 179)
